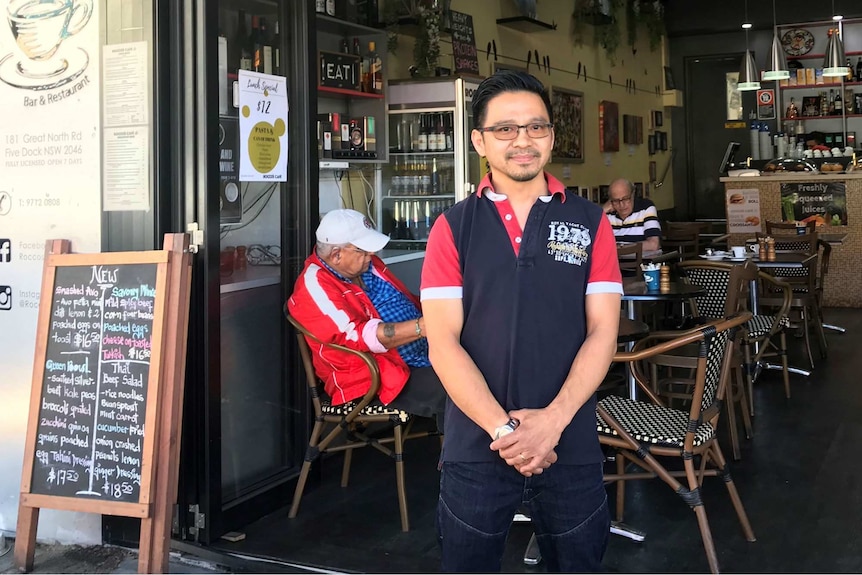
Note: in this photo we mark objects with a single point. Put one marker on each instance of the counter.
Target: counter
(842, 287)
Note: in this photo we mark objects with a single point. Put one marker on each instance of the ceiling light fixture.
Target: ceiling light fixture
(777, 69)
(835, 64)
(749, 77)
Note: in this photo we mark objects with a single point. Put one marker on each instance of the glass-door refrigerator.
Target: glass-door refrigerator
(432, 163)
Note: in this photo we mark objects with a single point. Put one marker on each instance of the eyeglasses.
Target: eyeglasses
(511, 131)
(622, 201)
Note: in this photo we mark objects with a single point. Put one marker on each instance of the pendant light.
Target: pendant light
(777, 69)
(749, 77)
(834, 64)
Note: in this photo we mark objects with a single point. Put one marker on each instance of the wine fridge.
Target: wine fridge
(432, 164)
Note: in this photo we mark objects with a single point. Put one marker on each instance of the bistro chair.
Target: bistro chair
(630, 257)
(683, 237)
(643, 432)
(348, 422)
(804, 285)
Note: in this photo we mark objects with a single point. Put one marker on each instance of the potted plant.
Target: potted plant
(427, 16)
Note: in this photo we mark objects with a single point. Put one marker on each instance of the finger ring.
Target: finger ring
(521, 455)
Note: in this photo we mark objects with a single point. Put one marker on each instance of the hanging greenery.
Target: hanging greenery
(427, 15)
(603, 16)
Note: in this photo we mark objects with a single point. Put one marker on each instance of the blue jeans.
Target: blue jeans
(567, 503)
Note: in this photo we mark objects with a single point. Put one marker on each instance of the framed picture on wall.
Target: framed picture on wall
(658, 118)
(584, 193)
(651, 144)
(733, 96)
(661, 141)
(646, 190)
(639, 189)
(609, 126)
(594, 194)
(568, 108)
(604, 193)
(652, 172)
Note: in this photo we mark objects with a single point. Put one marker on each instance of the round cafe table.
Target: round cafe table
(635, 290)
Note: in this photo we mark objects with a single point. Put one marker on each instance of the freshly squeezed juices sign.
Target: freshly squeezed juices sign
(262, 127)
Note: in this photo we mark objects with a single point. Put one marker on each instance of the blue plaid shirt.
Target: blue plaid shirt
(393, 306)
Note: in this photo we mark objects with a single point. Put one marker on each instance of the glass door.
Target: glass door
(243, 438)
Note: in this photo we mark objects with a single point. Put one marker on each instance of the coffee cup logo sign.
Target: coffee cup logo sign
(41, 59)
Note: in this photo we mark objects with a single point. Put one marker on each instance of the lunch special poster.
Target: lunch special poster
(822, 202)
(743, 211)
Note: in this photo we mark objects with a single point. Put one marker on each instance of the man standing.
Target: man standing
(633, 219)
(521, 294)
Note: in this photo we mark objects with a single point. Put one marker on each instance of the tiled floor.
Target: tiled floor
(798, 477)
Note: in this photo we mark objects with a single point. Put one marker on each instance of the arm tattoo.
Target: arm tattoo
(389, 330)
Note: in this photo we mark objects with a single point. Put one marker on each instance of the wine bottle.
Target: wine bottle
(450, 132)
(423, 133)
(243, 38)
(838, 104)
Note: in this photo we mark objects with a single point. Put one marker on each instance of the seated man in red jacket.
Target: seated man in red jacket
(346, 295)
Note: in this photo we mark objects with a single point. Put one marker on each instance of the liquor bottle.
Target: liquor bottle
(417, 232)
(838, 104)
(345, 48)
(256, 45)
(320, 6)
(859, 69)
(375, 71)
(849, 76)
(243, 39)
(405, 219)
(330, 7)
(427, 218)
(792, 110)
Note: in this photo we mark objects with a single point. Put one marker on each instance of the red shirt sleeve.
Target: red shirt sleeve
(605, 274)
(441, 271)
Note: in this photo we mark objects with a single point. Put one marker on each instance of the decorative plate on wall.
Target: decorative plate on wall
(797, 42)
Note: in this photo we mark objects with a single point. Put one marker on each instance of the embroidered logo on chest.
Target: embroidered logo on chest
(568, 242)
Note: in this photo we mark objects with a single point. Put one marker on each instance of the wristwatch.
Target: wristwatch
(506, 428)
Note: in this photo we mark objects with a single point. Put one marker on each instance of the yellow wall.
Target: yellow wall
(645, 67)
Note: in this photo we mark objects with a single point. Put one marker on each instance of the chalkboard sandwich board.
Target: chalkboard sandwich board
(96, 381)
(111, 332)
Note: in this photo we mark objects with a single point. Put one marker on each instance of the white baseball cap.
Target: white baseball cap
(350, 227)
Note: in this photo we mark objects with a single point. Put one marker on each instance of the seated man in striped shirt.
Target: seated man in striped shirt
(632, 219)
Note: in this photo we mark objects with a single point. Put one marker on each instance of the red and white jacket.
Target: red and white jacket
(339, 312)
